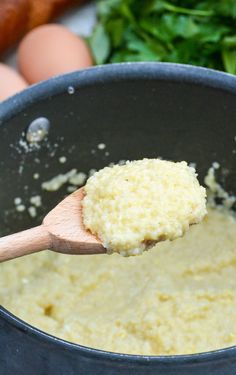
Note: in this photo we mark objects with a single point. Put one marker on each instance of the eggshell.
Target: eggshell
(10, 82)
(50, 50)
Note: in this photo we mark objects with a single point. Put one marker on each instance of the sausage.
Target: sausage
(19, 16)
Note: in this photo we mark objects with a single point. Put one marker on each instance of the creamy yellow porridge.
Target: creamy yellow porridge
(179, 297)
(131, 206)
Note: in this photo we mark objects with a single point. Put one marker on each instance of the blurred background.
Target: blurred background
(40, 39)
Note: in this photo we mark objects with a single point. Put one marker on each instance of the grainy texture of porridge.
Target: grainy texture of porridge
(131, 206)
(179, 297)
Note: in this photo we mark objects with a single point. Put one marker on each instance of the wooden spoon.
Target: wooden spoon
(62, 231)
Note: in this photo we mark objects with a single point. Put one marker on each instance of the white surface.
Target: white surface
(79, 20)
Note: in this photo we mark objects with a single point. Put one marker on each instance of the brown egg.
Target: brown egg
(10, 82)
(50, 50)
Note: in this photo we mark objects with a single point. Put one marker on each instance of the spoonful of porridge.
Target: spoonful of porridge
(124, 208)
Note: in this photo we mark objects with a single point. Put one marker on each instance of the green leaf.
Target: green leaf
(181, 25)
(164, 5)
(212, 32)
(158, 28)
(116, 29)
(229, 60)
(100, 44)
(144, 49)
(105, 7)
(226, 8)
(144, 52)
(229, 41)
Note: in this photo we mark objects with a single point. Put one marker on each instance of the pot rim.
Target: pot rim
(100, 75)
(118, 72)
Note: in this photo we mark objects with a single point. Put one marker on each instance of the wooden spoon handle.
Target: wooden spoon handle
(23, 243)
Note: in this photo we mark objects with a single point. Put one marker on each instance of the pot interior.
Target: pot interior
(135, 115)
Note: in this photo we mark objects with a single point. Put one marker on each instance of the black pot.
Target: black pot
(138, 110)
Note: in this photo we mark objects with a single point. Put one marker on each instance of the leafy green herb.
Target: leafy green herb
(199, 32)
(100, 44)
(229, 59)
